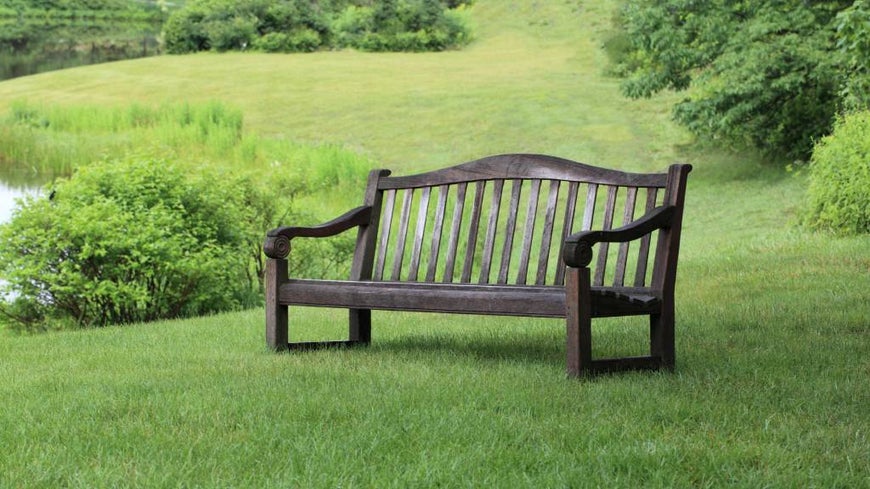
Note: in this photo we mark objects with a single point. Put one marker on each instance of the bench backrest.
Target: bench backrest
(504, 219)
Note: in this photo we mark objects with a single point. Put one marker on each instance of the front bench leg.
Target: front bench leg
(276, 313)
(277, 328)
(578, 316)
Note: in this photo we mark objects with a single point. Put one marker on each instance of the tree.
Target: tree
(769, 74)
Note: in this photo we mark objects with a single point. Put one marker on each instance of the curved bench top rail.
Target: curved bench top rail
(524, 166)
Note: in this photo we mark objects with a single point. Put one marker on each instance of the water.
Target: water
(8, 196)
(29, 47)
(36, 46)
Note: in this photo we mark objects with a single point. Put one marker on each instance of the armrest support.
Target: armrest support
(277, 244)
(578, 247)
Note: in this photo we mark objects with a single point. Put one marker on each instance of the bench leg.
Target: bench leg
(276, 314)
(360, 330)
(661, 333)
(578, 322)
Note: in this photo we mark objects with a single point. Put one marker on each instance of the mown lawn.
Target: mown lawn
(771, 387)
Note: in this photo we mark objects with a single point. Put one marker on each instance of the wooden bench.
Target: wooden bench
(514, 235)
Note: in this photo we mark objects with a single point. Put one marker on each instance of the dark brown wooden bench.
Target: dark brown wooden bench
(514, 235)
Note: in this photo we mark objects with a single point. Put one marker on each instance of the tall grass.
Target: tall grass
(54, 140)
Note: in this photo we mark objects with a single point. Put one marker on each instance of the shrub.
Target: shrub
(401, 25)
(133, 240)
(302, 40)
(300, 25)
(184, 31)
(231, 34)
(769, 75)
(839, 190)
(59, 139)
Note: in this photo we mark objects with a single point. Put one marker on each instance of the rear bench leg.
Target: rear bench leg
(661, 332)
(360, 330)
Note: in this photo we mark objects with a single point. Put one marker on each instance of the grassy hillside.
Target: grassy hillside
(529, 83)
(773, 337)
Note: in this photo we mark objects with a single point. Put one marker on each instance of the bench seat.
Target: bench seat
(501, 300)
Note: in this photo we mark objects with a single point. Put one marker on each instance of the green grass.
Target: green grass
(773, 336)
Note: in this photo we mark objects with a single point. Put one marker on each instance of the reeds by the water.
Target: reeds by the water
(53, 140)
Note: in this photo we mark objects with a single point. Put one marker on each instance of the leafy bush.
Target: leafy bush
(184, 31)
(839, 191)
(400, 25)
(853, 39)
(769, 74)
(302, 40)
(223, 25)
(299, 25)
(134, 240)
(231, 34)
(59, 139)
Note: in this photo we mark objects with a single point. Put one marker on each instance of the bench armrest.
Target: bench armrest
(277, 244)
(578, 247)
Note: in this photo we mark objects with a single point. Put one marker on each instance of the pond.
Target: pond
(28, 47)
(8, 196)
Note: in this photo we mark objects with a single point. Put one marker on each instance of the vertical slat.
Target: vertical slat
(609, 209)
(529, 231)
(359, 327)
(473, 229)
(404, 219)
(570, 208)
(513, 215)
(622, 256)
(455, 226)
(386, 227)
(664, 274)
(419, 234)
(547, 233)
(643, 252)
(589, 212)
(492, 227)
(367, 236)
(434, 251)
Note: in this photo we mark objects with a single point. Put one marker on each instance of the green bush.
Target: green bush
(133, 240)
(302, 40)
(769, 75)
(839, 190)
(299, 25)
(184, 31)
(279, 177)
(231, 34)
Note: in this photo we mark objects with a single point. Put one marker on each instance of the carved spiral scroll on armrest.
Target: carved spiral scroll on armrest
(578, 247)
(277, 243)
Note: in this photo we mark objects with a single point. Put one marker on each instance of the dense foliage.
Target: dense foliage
(771, 74)
(302, 25)
(81, 8)
(126, 241)
(839, 192)
(174, 231)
